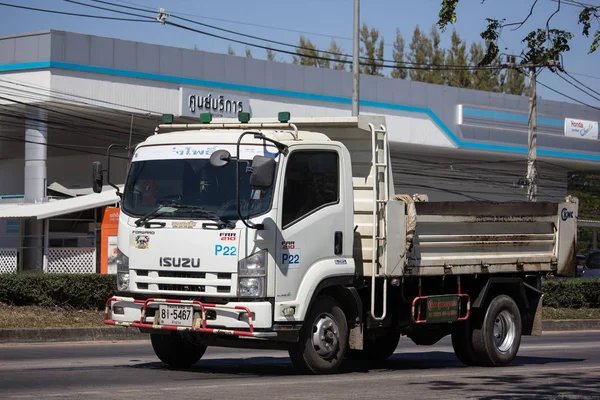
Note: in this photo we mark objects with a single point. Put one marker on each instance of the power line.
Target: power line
(71, 14)
(568, 97)
(578, 87)
(376, 63)
(582, 84)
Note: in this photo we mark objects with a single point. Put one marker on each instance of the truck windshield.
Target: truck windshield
(193, 182)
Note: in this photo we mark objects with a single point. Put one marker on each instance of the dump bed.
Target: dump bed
(486, 237)
(449, 237)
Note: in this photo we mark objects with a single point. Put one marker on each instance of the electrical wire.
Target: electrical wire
(581, 83)
(71, 14)
(377, 63)
(578, 87)
(567, 96)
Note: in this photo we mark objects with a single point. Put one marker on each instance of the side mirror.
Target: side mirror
(220, 158)
(97, 176)
(263, 171)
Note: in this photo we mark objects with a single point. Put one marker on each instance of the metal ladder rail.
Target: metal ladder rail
(379, 207)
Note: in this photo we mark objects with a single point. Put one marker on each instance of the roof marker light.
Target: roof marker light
(168, 118)
(244, 117)
(205, 118)
(284, 116)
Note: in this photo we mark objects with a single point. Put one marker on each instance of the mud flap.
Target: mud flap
(536, 329)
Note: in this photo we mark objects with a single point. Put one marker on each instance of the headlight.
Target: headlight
(251, 275)
(122, 271)
(251, 287)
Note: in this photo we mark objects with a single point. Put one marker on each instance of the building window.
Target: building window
(311, 183)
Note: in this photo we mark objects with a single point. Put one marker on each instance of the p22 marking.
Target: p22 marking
(290, 258)
(221, 250)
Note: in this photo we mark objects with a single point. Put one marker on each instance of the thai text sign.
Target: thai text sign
(197, 101)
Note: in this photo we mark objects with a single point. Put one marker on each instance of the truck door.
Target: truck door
(312, 211)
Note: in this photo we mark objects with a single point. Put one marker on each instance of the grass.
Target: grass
(571, 313)
(45, 317)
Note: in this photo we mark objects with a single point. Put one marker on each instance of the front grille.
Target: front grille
(180, 288)
(171, 282)
(182, 274)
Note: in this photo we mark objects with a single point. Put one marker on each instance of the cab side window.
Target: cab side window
(311, 183)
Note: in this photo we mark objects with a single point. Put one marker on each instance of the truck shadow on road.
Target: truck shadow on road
(282, 366)
(542, 385)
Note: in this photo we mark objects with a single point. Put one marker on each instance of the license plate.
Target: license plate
(175, 315)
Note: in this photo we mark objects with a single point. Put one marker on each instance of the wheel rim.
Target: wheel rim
(325, 338)
(504, 331)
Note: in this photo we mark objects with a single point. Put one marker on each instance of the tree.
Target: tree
(338, 60)
(270, 55)
(248, 53)
(419, 55)
(486, 79)
(398, 55)
(436, 75)
(513, 82)
(542, 44)
(457, 56)
(307, 53)
(230, 51)
(372, 49)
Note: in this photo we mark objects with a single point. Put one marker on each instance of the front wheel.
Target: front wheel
(176, 351)
(323, 338)
(497, 341)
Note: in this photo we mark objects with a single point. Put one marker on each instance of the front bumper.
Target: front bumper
(233, 319)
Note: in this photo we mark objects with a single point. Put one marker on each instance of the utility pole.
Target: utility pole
(355, 63)
(532, 175)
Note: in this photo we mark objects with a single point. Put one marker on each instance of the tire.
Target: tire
(323, 339)
(462, 342)
(497, 342)
(377, 347)
(176, 351)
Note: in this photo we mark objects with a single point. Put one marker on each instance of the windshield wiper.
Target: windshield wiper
(178, 206)
(158, 211)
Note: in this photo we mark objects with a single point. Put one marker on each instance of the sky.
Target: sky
(321, 21)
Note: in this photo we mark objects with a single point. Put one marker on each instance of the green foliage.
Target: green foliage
(512, 82)
(487, 79)
(398, 55)
(338, 60)
(420, 54)
(542, 44)
(81, 291)
(270, 55)
(372, 48)
(309, 55)
(457, 55)
(572, 293)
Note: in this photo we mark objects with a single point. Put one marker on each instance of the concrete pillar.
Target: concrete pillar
(36, 137)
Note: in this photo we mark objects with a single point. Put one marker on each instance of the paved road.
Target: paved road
(554, 366)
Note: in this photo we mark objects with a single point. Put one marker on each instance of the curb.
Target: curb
(35, 335)
(111, 333)
(571, 325)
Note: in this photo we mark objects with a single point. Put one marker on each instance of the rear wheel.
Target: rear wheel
(497, 341)
(462, 342)
(323, 338)
(176, 351)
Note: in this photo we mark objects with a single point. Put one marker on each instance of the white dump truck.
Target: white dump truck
(287, 234)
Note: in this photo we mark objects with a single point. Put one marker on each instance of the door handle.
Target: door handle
(338, 245)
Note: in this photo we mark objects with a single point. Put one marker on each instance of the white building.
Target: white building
(65, 97)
